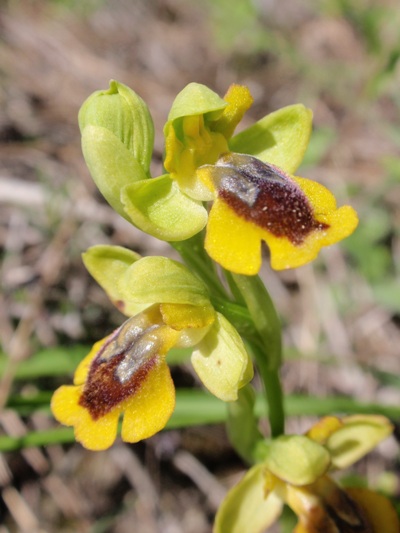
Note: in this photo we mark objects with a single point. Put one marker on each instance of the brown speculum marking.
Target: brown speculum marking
(119, 369)
(103, 390)
(337, 512)
(120, 304)
(265, 195)
(329, 520)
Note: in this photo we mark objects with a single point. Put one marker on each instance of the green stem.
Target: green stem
(238, 316)
(265, 338)
(264, 315)
(233, 288)
(275, 399)
(268, 349)
(195, 257)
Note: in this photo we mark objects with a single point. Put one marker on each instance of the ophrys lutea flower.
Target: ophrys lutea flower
(126, 373)
(255, 202)
(296, 470)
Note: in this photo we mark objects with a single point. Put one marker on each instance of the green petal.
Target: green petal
(246, 509)
(161, 280)
(107, 264)
(111, 164)
(159, 208)
(221, 360)
(357, 436)
(280, 138)
(196, 99)
(296, 459)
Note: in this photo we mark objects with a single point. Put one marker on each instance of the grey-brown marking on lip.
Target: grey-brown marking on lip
(264, 194)
(120, 367)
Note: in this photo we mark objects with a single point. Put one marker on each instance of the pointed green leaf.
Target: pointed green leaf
(161, 280)
(280, 138)
(296, 459)
(54, 361)
(246, 509)
(111, 164)
(107, 264)
(358, 435)
(195, 99)
(221, 360)
(158, 207)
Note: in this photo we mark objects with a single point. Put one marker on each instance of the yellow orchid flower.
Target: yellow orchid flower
(295, 472)
(257, 202)
(126, 373)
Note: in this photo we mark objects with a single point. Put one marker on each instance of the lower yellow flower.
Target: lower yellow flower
(326, 507)
(257, 202)
(377, 509)
(295, 472)
(124, 373)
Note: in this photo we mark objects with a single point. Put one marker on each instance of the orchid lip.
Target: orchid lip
(265, 195)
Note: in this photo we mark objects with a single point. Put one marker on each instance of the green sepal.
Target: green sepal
(158, 279)
(221, 360)
(280, 138)
(107, 264)
(242, 424)
(358, 435)
(110, 163)
(159, 208)
(296, 459)
(196, 99)
(246, 507)
(122, 112)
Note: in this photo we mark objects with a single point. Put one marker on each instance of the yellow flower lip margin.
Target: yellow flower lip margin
(258, 202)
(126, 373)
(300, 480)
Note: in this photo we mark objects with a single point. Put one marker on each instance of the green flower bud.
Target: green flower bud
(297, 459)
(117, 140)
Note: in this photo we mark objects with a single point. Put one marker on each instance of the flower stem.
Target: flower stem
(275, 399)
(268, 348)
(264, 339)
(193, 254)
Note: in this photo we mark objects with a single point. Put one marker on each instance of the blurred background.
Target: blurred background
(341, 314)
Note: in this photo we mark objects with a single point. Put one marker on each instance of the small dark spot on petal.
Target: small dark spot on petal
(119, 304)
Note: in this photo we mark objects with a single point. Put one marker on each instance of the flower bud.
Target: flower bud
(117, 140)
(297, 459)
